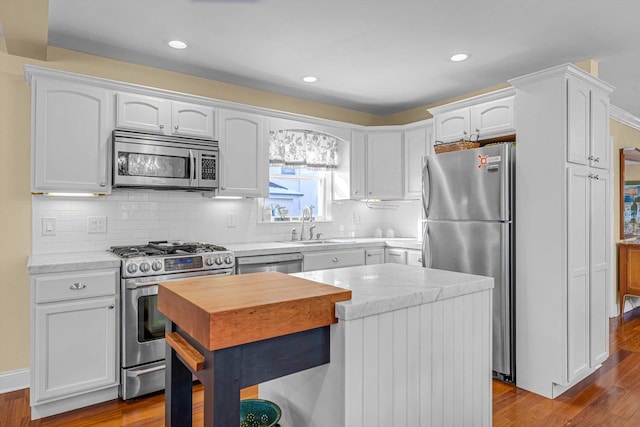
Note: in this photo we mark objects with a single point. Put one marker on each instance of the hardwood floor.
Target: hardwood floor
(609, 397)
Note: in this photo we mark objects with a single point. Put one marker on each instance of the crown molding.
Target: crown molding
(621, 116)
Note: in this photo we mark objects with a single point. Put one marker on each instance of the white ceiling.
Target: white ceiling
(374, 56)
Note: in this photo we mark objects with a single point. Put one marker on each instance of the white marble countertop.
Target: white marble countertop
(73, 261)
(386, 287)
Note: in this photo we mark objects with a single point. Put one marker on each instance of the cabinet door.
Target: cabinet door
(600, 130)
(75, 347)
(244, 161)
(357, 174)
(192, 120)
(348, 178)
(493, 118)
(414, 258)
(374, 256)
(600, 266)
(145, 113)
(578, 121)
(384, 165)
(396, 256)
(415, 148)
(452, 126)
(71, 129)
(578, 292)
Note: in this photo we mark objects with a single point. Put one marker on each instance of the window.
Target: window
(293, 189)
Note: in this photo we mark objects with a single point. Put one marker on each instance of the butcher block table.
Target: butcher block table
(233, 332)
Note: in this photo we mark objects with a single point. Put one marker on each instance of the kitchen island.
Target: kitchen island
(412, 347)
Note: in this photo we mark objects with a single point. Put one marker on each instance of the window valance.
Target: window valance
(302, 148)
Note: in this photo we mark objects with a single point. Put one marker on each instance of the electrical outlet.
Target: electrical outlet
(48, 226)
(96, 224)
(231, 220)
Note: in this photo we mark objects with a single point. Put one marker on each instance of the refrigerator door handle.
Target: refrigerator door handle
(425, 187)
(426, 246)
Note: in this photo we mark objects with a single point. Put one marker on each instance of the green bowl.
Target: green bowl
(259, 413)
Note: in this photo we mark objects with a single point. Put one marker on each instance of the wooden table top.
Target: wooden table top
(225, 311)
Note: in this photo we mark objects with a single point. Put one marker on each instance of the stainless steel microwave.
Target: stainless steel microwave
(145, 160)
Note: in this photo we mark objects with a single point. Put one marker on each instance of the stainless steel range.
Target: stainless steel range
(143, 326)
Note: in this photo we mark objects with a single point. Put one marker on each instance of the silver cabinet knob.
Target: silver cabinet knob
(103, 184)
(161, 126)
(176, 127)
(78, 285)
(335, 259)
(112, 306)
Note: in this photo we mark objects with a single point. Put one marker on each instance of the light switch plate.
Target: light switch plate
(48, 226)
(96, 224)
(231, 220)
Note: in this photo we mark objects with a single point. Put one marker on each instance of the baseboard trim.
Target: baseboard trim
(14, 380)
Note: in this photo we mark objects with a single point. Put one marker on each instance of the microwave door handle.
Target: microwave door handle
(193, 175)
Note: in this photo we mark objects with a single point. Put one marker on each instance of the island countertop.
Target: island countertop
(382, 288)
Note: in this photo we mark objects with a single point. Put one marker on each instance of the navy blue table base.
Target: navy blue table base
(228, 370)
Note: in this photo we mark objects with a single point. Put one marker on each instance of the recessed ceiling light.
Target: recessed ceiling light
(177, 44)
(309, 79)
(459, 57)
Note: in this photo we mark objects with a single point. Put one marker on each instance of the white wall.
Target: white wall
(137, 216)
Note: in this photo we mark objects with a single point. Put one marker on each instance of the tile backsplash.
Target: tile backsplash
(137, 216)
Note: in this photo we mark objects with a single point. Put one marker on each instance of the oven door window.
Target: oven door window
(151, 323)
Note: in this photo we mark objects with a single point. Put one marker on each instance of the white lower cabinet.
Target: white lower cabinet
(374, 256)
(74, 340)
(333, 259)
(403, 256)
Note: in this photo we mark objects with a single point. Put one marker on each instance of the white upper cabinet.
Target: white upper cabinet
(349, 177)
(244, 161)
(71, 126)
(418, 143)
(384, 153)
(489, 116)
(453, 125)
(588, 130)
(493, 118)
(167, 117)
(192, 120)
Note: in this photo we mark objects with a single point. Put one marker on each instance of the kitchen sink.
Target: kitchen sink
(321, 241)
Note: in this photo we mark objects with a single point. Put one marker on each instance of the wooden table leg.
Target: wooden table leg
(178, 389)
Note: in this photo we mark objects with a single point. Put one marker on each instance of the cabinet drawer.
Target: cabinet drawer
(74, 285)
(333, 259)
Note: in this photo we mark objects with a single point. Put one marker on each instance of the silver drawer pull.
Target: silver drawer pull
(112, 307)
(335, 259)
(77, 285)
(145, 371)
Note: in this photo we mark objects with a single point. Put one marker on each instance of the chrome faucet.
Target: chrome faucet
(307, 214)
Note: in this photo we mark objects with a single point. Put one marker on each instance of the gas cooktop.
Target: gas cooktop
(169, 257)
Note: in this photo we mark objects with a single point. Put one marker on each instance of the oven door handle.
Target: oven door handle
(140, 372)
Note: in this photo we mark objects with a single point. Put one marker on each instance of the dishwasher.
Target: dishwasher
(284, 263)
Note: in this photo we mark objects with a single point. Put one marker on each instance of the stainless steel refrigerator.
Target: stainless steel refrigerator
(468, 201)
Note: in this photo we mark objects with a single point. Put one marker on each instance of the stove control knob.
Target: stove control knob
(132, 268)
(157, 265)
(209, 261)
(219, 260)
(144, 267)
(228, 259)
